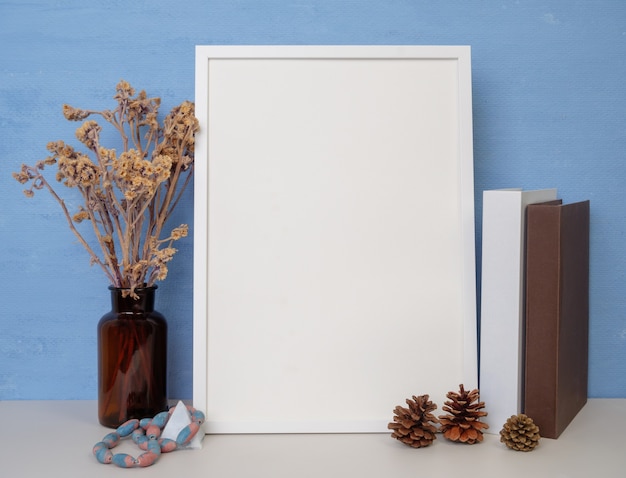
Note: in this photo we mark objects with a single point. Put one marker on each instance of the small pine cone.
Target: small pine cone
(520, 433)
(462, 423)
(415, 426)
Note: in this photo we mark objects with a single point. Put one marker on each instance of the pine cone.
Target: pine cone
(520, 433)
(415, 426)
(462, 421)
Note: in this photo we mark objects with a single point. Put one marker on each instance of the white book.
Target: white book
(502, 301)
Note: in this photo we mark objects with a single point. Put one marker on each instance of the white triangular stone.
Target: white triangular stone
(179, 419)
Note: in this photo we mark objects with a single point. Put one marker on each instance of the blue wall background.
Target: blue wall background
(549, 111)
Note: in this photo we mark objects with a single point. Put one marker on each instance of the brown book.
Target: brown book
(557, 314)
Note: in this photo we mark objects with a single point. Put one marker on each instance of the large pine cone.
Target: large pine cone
(520, 433)
(462, 423)
(415, 426)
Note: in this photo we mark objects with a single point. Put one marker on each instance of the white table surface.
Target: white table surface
(55, 438)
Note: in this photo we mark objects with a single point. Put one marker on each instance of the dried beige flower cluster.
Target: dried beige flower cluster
(129, 196)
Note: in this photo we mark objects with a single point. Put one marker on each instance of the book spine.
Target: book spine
(542, 310)
(500, 306)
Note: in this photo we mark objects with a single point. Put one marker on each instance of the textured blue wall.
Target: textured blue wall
(549, 111)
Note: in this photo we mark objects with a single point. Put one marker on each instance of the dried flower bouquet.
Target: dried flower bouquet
(127, 197)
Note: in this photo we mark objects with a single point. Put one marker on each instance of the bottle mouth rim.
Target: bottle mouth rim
(151, 287)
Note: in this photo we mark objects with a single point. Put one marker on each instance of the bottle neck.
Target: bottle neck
(143, 303)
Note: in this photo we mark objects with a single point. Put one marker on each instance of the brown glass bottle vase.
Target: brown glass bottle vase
(132, 358)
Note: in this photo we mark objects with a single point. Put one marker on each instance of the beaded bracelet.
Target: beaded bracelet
(146, 433)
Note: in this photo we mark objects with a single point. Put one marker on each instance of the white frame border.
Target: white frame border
(204, 55)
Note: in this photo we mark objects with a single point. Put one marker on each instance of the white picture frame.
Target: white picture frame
(334, 259)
